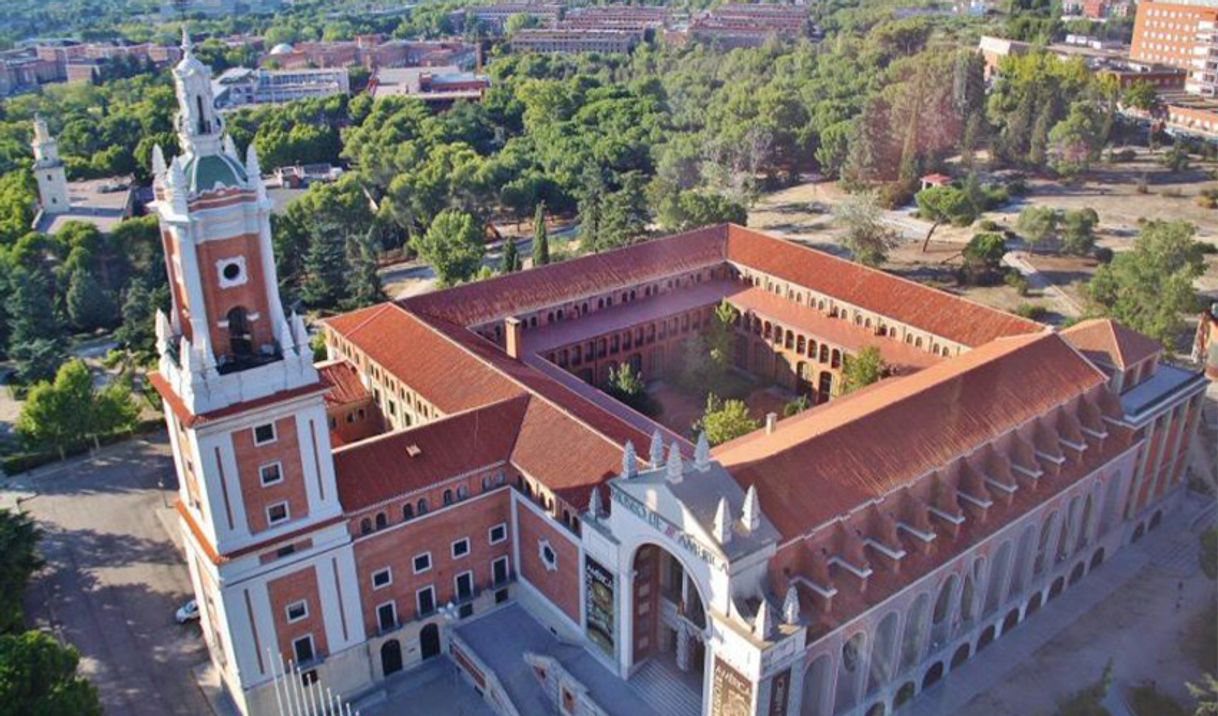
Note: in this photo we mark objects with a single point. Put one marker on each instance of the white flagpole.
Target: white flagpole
(275, 681)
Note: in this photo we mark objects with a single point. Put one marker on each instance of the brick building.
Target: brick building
(1167, 32)
(453, 481)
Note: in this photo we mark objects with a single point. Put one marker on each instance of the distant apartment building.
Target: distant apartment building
(617, 17)
(437, 86)
(1203, 75)
(751, 25)
(241, 86)
(571, 40)
(372, 51)
(1167, 32)
(51, 61)
(495, 17)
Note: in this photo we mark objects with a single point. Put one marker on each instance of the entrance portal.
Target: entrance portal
(429, 641)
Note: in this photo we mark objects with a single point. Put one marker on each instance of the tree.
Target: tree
(138, 332)
(18, 561)
(325, 267)
(511, 256)
(1176, 158)
(1076, 140)
(1148, 287)
(541, 238)
(1038, 224)
(983, 258)
(63, 413)
(867, 236)
(364, 283)
(36, 339)
(940, 204)
(861, 370)
(724, 420)
(453, 246)
(38, 675)
(1078, 231)
(1205, 691)
(721, 342)
(1141, 95)
(89, 305)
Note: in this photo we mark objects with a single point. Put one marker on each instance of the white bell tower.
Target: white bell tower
(200, 126)
(49, 171)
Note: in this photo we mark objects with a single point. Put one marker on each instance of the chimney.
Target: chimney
(771, 420)
(514, 338)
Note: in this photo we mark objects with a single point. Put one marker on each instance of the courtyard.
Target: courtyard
(680, 409)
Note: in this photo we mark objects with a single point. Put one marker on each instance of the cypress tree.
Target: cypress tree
(541, 238)
(325, 265)
(511, 257)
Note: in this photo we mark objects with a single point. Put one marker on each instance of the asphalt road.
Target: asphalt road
(114, 577)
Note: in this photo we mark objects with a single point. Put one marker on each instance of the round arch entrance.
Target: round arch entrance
(669, 617)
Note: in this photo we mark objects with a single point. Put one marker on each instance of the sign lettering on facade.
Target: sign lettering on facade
(599, 593)
(731, 693)
(668, 529)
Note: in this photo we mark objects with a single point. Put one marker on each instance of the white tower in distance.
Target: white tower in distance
(49, 171)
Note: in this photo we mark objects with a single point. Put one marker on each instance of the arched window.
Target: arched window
(239, 338)
(381, 520)
(407, 511)
(365, 526)
(448, 497)
(421, 507)
(462, 492)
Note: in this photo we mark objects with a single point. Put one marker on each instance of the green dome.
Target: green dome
(205, 173)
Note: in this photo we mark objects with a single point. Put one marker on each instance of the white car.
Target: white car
(188, 612)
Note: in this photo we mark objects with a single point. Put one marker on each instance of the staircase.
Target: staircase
(666, 689)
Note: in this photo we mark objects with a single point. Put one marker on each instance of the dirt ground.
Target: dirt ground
(680, 409)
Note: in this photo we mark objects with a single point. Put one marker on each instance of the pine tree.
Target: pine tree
(511, 256)
(36, 340)
(364, 283)
(325, 265)
(89, 305)
(1038, 144)
(138, 332)
(541, 238)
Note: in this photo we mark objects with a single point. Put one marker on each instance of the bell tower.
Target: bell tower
(49, 171)
(258, 499)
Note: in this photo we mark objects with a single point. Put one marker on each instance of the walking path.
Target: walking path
(1060, 302)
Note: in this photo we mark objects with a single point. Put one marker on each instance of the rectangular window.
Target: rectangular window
(499, 570)
(498, 533)
(422, 562)
(303, 648)
(464, 584)
(264, 434)
(277, 513)
(270, 474)
(297, 611)
(460, 547)
(382, 578)
(387, 616)
(425, 599)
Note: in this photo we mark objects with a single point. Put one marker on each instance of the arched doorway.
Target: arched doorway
(825, 389)
(1098, 558)
(933, 674)
(239, 340)
(1137, 533)
(670, 625)
(1059, 584)
(1033, 605)
(391, 657)
(1077, 573)
(987, 636)
(904, 694)
(429, 641)
(816, 686)
(1011, 621)
(1155, 519)
(876, 709)
(961, 655)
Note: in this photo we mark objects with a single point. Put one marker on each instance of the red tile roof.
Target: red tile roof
(789, 314)
(342, 382)
(481, 301)
(404, 345)
(1106, 342)
(941, 313)
(833, 458)
(382, 468)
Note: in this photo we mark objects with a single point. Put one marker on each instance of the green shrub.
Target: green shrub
(1017, 281)
(1103, 254)
(988, 225)
(1032, 311)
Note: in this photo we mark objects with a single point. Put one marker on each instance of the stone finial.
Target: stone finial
(187, 46)
(253, 168)
(790, 606)
(702, 453)
(675, 466)
(763, 625)
(656, 454)
(158, 163)
(630, 461)
(594, 503)
(230, 147)
(751, 513)
(163, 331)
(723, 522)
